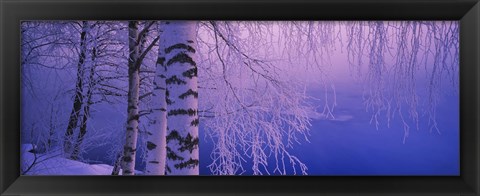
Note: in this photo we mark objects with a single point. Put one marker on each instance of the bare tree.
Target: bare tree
(136, 56)
(86, 110)
(157, 140)
(78, 99)
(178, 41)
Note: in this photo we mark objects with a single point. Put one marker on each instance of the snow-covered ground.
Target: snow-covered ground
(54, 164)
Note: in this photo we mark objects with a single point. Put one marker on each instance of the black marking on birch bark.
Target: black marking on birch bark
(159, 88)
(190, 73)
(160, 109)
(190, 92)
(129, 128)
(194, 123)
(175, 80)
(132, 107)
(154, 162)
(162, 76)
(180, 46)
(127, 159)
(134, 117)
(128, 172)
(181, 58)
(167, 97)
(129, 149)
(151, 145)
(172, 155)
(169, 101)
(190, 112)
(167, 169)
(191, 163)
(174, 135)
(149, 133)
(189, 143)
(160, 60)
(189, 41)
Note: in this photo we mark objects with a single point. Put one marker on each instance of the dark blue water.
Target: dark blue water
(356, 147)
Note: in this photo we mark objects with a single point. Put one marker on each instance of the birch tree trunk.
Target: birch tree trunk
(78, 100)
(182, 97)
(156, 142)
(86, 110)
(129, 150)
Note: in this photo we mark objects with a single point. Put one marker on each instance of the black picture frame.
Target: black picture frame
(14, 11)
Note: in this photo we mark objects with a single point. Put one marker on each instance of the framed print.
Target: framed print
(75, 88)
(239, 97)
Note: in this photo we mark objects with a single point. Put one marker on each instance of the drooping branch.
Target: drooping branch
(397, 51)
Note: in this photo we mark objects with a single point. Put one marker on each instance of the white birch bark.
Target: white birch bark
(129, 150)
(182, 97)
(156, 142)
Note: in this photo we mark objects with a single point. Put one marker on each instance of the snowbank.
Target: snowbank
(55, 164)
